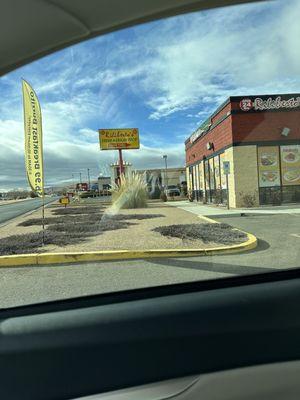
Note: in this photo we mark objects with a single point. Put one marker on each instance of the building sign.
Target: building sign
(259, 104)
(201, 130)
(114, 139)
(268, 166)
(290, 165)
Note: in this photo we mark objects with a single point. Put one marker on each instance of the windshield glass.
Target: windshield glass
(206, 104)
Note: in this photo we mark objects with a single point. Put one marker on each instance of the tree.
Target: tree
(33, 194)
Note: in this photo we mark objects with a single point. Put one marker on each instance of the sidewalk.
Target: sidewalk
(211, 210)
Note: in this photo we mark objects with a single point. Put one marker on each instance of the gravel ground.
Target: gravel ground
(137, 233)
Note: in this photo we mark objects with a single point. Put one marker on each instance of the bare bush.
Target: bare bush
(131, 193)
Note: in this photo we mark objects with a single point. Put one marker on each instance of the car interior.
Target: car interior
(233, 338)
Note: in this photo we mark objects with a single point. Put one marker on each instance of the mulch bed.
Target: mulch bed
(76, 224)
(216, 233)
(72, 225)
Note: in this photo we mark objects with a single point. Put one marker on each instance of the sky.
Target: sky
(164, 77)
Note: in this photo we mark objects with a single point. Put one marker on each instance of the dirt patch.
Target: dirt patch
(217, 233)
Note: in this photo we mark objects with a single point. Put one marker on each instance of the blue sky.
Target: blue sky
(164, 77)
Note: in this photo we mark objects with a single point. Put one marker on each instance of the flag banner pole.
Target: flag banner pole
(43, 219)
(34, 145)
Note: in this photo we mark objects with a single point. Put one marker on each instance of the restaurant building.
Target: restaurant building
(260, 138)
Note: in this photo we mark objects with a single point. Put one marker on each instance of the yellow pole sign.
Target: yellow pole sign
(114, 139)
(64, 200)
(33, 139)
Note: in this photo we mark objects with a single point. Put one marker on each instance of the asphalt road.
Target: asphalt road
(13, 210)
(279, 247)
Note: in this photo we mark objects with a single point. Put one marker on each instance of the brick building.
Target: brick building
(260, 138)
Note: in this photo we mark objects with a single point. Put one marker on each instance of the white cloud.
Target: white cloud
(190, 63)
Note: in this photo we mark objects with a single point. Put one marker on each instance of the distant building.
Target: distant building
(115, 170)
(104, 183)
(159, 178)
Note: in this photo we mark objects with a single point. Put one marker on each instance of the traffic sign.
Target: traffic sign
(226, 167)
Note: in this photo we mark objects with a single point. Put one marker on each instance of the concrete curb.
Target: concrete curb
(62, 258)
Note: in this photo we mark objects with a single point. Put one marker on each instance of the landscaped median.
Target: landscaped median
(92, 233)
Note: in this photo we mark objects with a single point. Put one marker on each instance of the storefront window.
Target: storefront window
(206, 180)
(279, 174)
(268, 166)
(290, 165)
(194, 178)
(223, 179)
(196, 182)
(200, 183)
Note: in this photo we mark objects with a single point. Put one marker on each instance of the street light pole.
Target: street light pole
(80, 181)
(89, 179)
(165, 157)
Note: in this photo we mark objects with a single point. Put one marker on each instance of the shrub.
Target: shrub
(131, 193)
(215, 233)
(218, 196)
(248, 200)
(163, 196)
(276, 198)
(76, 210)
(33, 194)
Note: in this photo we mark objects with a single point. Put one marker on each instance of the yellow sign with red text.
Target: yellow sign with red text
(114, 139)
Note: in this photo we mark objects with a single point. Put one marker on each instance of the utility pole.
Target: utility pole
(89, 179)
(80, 181)
(165, 157)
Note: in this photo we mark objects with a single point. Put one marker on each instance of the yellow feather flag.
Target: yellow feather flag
(33, 139)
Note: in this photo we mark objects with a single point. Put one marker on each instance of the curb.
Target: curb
(57, 258)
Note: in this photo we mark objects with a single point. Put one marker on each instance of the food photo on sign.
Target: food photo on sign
(290, 164)
(268, 166)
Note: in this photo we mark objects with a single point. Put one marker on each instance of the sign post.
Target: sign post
(226, 172)
(121, 162)
(65, 201)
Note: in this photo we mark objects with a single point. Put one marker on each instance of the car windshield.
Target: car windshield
(207, 103)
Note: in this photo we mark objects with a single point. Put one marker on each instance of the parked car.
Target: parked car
(172, 190)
